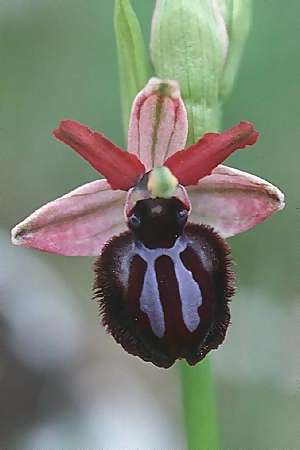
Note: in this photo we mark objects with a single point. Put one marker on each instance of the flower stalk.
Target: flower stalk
(199, 406)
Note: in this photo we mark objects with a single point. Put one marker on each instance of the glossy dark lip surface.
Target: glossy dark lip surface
(118, 282)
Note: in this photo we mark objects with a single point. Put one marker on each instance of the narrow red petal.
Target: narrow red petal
(198, 161)
(122, 170)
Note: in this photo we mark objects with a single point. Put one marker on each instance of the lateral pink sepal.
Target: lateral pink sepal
(198, 161)
(121, 169)
(232, 201)
(77, 224)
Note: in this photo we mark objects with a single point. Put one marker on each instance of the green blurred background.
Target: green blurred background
(58, 60)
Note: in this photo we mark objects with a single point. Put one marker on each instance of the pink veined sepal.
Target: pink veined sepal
(158, 123)
(232, 201)
(77, 224)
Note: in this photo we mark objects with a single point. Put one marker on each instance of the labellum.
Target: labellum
(157, 225)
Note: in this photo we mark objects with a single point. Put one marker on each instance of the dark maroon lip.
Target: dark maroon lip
(163, 287)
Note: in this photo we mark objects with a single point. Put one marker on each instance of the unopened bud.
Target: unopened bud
(198, 43)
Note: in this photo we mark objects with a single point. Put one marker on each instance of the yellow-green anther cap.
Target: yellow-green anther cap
(198, 43)
(162, 183)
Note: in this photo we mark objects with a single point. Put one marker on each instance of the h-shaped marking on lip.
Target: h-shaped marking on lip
(189, 290)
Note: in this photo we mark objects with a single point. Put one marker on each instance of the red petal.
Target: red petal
(122, 170)
(198, 161)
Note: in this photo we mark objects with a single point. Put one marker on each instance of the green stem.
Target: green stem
(199, 406)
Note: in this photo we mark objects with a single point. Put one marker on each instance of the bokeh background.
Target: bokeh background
(64, 383)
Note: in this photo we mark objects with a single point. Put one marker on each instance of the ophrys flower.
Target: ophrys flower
(157, 224)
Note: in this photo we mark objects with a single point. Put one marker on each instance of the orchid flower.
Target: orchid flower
(156, 165)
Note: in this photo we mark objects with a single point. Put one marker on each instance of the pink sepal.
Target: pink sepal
(121, 169)
(232, 201)
(158, 123)
(198, 161)
(79, 223)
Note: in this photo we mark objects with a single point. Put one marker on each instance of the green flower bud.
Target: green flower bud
(198, 43)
